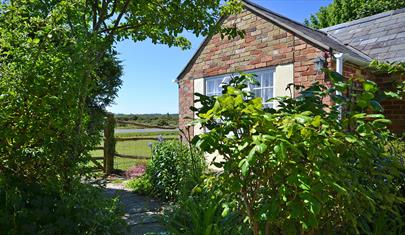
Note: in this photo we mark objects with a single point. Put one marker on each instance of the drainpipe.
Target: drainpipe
(339, 69)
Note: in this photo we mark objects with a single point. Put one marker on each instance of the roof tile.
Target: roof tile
(380, 36)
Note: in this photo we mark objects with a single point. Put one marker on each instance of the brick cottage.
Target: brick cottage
(281, 51)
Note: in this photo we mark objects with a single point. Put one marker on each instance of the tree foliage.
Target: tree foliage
(58, 66)
(304, 167)
(340, 11)
(41, 153)
(41, 83)
(58, 71)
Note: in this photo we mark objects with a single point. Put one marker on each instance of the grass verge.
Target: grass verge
(136, 148)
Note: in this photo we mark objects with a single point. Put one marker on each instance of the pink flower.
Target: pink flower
(135, 171)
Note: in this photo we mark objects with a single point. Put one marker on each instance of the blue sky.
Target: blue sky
(150, 69)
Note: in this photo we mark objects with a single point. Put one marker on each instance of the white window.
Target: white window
(265, 90)
(213, 86)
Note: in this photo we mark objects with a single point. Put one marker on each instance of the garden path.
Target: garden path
(141, 213)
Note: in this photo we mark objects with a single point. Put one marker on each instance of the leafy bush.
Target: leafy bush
(51, 119)
(34, 209)
(47, 131)
(141, 185)
(305, 167)
(202, 213)
(174, 169)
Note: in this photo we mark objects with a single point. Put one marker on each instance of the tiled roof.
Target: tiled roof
(380, 36)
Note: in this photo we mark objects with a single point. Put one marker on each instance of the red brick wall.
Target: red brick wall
(186, 100)
(393, 109)
(264, 45)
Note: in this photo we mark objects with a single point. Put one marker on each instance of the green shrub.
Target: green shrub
(52, 101)
(203, 213)
(174, 169)
(397, 146)
(140, 185)
(33, 209)
(305, 167)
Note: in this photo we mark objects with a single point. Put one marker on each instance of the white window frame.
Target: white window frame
(208, 79)
(252, 88)
(262, 88)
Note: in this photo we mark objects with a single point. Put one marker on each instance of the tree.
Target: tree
(59, 71)
(59, 56)
(340, 11)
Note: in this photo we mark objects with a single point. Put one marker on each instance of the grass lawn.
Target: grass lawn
(136, 148)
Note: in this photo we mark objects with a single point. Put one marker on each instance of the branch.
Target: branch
(105, 25)
(94, 10)
(119, 28)
(101, 12)
(117, 21)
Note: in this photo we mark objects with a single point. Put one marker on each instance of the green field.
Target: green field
(137, 148)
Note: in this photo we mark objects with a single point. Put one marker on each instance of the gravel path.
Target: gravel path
(141, 213)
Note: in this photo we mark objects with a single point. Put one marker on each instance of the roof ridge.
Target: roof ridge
(365, 19)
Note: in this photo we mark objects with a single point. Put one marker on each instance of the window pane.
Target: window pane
(267, 94)
(265, 90)
(213, 86)
(267, 79)
(260, 79)
(210, 86)
(218, 87)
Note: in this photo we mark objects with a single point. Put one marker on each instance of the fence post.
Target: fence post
(109, 144)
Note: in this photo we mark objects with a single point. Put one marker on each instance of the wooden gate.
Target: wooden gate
(109, 147)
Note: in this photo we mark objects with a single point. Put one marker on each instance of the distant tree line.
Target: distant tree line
(151, 119)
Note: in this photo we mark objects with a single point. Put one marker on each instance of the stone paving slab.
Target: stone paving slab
(141, 213)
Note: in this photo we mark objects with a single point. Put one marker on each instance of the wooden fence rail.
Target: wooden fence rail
(110, 141)
(130, 156)
(142, 138)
